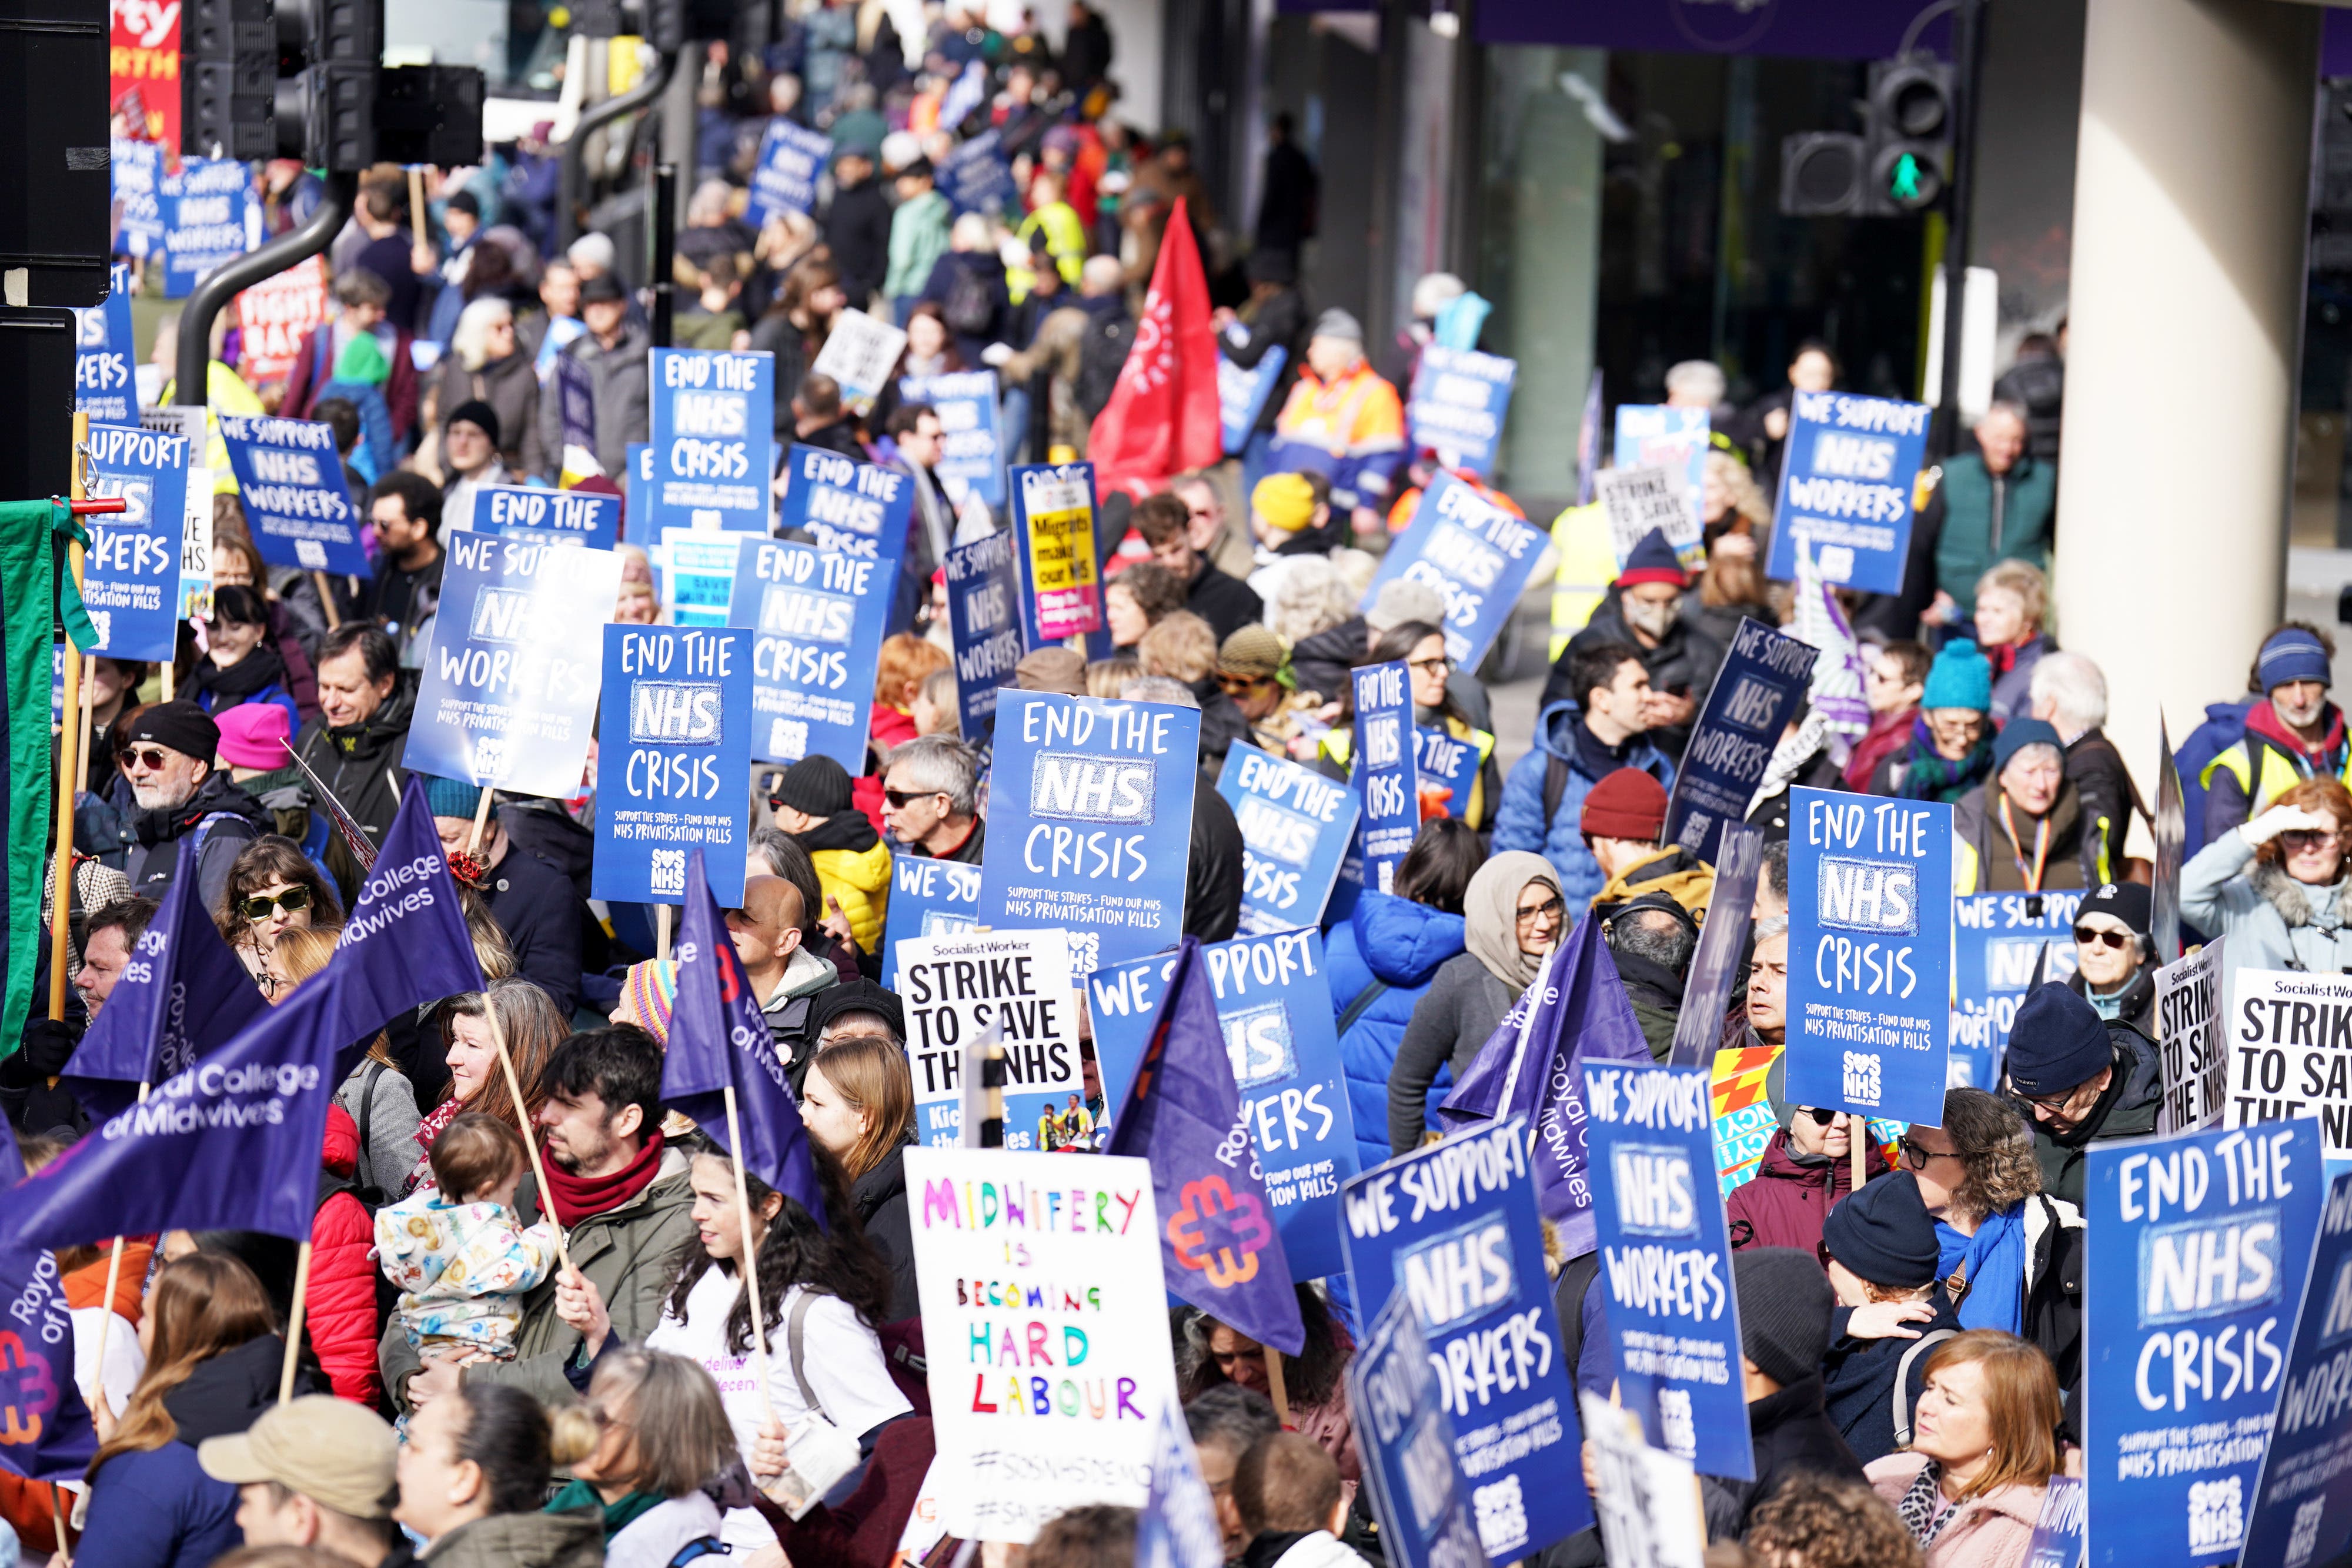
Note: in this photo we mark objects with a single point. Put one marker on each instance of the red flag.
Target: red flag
(1162, 415)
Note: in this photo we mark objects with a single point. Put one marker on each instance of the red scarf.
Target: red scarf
(575, 1197)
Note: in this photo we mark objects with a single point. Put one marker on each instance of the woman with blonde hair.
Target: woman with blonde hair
(2012, 598)
(1970, 1488)
(1737, 519)
(2275, 886)
(486, 363)
(377, 1094)
(637, 605)
(651, 1435)
(858, 1101)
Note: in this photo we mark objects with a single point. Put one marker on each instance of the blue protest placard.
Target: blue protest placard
(290, 478)
(1459, 399)
(2059, 1532)
(104, 387)
(1451, 1230)
(1448, 763)
(1242, 394)
(2303, 1508)
(210, 215)
(698, 575)
(133, 580)
(1273, 1003)
(1091, 822)
(972, 448)
(859, 508)
(2201, 1244)
(1387, 770)
(1763, 677)
(1472, 552)
(985, 615)
(1653, 435)
(1870, 942)
(1407, 1444)
(975, 177)
(1295, 827)
(674, 749)
(714, 443)
(508, 694)
(1665, 1262)
(135, 171)
(928, 898)
(1997, 943)
(791, 159)
(552, 517)
(636, 494)
(817, 621)
(1847, 479)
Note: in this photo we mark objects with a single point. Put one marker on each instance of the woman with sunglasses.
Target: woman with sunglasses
(2276, 888)
(272, 889)
(2115, 965)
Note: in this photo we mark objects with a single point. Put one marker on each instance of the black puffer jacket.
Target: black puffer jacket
(222, 818)
(1792, 1432)
(2127, 1110)
(881, 1196)
(1213, 880)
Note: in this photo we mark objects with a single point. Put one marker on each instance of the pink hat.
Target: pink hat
(254, 735)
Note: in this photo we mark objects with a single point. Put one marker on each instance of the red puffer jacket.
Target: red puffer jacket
(339, 1306)
(1786, 1204)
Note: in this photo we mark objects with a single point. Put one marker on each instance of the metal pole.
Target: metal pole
(661, 249)
(573, 175)
(1968, 61)
(215, 292)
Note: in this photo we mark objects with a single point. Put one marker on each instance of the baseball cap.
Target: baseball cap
(340, 1455)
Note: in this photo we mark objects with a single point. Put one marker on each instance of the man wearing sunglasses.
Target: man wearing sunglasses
(2078, 1080)
(2114, 967)
(931, 796)
(167, 758)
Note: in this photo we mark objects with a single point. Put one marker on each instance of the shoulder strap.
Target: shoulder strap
(367, 1116)
(1903, 1383)
(796, 1338)
(700, 1546)
(1362, 1005)
(1555, 786)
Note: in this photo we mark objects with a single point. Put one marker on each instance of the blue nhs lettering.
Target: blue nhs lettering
(1258, 1040)
(1382, 748)
(1842, 456)
(1656, 1194)
(1870, 896)
(501, 615)
(1752, 703)
(1461, 1275)
(1268, 830)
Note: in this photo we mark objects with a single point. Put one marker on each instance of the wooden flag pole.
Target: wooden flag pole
(61, 1508)
(661, 938)
(327, 600)
(294, 1321)
(416, 203)
(748, 1263)
(523, 1119)
(106, 1319)
(171, 672)
(1276, 1386)
(474, 847)
(1857, 1146)
(68, 767)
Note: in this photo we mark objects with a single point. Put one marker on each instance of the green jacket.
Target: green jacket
(919, 237)
(631, 1253)
(1988, 518)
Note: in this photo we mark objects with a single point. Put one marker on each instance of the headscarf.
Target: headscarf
(1491, 910)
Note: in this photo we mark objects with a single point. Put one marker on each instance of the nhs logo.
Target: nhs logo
(1275, 833)
(1751, 705)
(501, 615)
(1873, 896)
(1078, 787)
(806, 614)
(2337, 1325)
(1382, 748)
(1656, 1194)
(1258, 1040)
(674, 713)
(2200, 1269)
(1461, 1275)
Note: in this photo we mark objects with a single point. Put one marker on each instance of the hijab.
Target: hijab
(1491, 910)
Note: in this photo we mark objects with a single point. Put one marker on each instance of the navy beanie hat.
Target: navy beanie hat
(1652, 559)
(2020, 733)
(2292, 653)
(1884, 1234)
(2056, 1042)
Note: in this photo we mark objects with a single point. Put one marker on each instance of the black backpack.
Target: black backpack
(969, 310)
(1102, 354)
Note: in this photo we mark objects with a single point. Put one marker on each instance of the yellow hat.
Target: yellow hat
(1287, 501)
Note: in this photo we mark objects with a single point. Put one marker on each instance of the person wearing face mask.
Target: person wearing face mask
(2275, 888)
(1949, 751)
(2021, 831)
(2114, 967)
(1643, 608)
(2292, 733)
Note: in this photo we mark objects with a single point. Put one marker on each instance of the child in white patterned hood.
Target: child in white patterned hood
(461, 1257)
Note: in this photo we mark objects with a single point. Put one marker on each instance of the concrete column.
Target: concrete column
(2185, 306)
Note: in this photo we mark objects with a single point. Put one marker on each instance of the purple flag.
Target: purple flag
(405, 943)
(1184, 1112)
(181, 992)
(717, 1036)
(45, 1428)
(231, 1143)
(1576, 1012)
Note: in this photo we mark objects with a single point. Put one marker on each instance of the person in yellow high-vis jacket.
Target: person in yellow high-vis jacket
(2293, 733)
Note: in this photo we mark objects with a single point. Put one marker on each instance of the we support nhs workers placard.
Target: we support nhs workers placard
(714, 443)
(2303, 1509)
(1847, 488)
(1273, 1003)
(985, 615)
(1452, 1228)
(1387, 770)
(290, 478)
(971, 449)
(855, 508)
(1295, 827)
(1091, 822)
(133, 582)
(1476, 555)
(1665, 1262)
(792, 157)
(1242, 393)
(817, 617)
(2201, 1243)
(1870, 937)
(1459, 399)
(553, 517)
(508, 694)
(1763, 675)
(104, 387)
(928, 898)
(211, 215)
(1407, 1440)
(1997, 943)
(674, 749)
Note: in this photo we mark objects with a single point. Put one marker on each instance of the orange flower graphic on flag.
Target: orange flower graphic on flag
(1210, 1203)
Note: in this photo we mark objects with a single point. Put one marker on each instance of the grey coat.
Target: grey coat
(1461, 1009)
(2269, 920)
(620, 376)
(388, 1148)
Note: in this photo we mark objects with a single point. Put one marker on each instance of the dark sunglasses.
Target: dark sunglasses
(1239, 686)
(1821, 1114)
(899, 798)
(259, 906)
(152, 757)
(2085, 936)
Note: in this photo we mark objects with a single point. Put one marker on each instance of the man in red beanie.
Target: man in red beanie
(1643, 608)
(1622, 817)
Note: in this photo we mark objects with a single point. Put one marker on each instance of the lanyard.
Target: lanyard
(2017, 850)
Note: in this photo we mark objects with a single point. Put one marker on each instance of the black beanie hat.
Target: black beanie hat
(2056, 1042)
(474, 412)
(816, 785)
(858, 995)
(1785, 1304)
(182, 725)
(2130, 902)
(1884, 1234)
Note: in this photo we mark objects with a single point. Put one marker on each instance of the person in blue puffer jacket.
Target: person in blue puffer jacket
(1578, 744)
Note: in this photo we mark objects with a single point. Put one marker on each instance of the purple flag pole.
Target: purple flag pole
(405, 942)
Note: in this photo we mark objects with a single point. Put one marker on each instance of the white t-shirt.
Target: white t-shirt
(841, 1355)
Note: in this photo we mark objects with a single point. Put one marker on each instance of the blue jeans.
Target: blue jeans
(1013, 427)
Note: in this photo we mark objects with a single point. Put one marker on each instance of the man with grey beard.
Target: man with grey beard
(167, 760)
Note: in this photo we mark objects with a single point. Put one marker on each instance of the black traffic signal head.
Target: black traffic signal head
(1821, 174)
(1911, 127)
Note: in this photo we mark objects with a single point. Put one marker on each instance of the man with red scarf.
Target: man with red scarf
(621, 1197)
(2293, 733)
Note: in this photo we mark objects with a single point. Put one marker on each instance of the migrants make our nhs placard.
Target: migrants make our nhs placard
(1870, 942)
(1458, 401)
(714, 445)
(1274, 1004)
(2290, 1037)
(104, 387)
(843, 505)
(2302, 1511)
(792, 158)
(817, 616)
(984, 618)
(553, 517)
(2202, 1242)
(508, 693)
(1091, 822)
(1387, 770)
(1054, 519)
(971, 449)
(956, 988)
(928, 898)
(133, 580)
(1847, 488)
(1996, 944)
(290, 476)
(1763, 677)
(1452, 1228)
(674, 749)
(1418, 1494)
(1295, 827)
(1476, 555)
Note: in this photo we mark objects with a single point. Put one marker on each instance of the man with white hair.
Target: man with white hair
(1695, 383)
(2070, 693)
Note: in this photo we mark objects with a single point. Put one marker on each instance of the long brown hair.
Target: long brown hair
(2020, 1399)
(533, 1029)
(871, 1076)
(204, 1304)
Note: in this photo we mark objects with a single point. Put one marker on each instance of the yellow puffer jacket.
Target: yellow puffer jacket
(860, 880)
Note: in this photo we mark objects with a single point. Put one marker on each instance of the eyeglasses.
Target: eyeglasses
(1440, 664)
(257, 907)
(2051, 1101)
(152, 757)
(1553, 906)
(2089, 936)
(1915, 1155)
(900, 799)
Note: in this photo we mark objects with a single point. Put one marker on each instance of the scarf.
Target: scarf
(1886, 734)
(1929, 775)
(579, 1497)
(1594, 758)
(1922, 1508)
(259, 671)
(1790, 756)
(1491, 918)
(573, 1198)
(437, 1122)
(1994, 1269)
(852, 831)
(2327, 756)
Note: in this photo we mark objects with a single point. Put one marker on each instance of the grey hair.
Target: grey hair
(1771, 925)
(1655, 935)
(1775, 871)
(1160, 689)
(1697, 376)
(2010, 407)
(1229, 1415)
(469, 341)
(944, 764)
(1311, 595)
(2074, 687)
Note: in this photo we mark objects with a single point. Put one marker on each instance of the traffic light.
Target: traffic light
(227, 80)
(1910, 140)
(329, 54)
(1821, 174)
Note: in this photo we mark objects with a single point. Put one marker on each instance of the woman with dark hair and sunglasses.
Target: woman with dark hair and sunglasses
(272, 889)
(241, 664)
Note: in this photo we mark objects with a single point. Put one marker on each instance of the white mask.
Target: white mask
(1647, 615)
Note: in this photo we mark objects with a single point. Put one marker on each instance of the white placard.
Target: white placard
(860, 353)
(2196, 1061)
(1640, 499)
(955, 989)
(1647, 1500)
(2290, 1037)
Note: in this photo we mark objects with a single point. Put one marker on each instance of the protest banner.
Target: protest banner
(1448, 770)
(2059, 1532)
(1763, 678)
(2204, 1242)
(1641, 501)
(1090, 821)
(1870, 937)
(1720, 960)
(843, 505)
(1456, 405)
(1476, 555)
(210, 216)
(1295, 827)
(1054, 519)
(289, 476)
(135, 172)
(1997, 941)
(573, 385)
(971, 449)
(1243, 394)
(45, 1424)
(636, 522)
(791, 159)
(984, 618)
(131, 577)
(2302, 1510)
(143, 83)
(928, 898)
(104, 386)
(1846, 480)
(196, 527)
(1744, 1123)
(1039, 1278)
(1654, 435)
(1665, 1262)
(2189, 1044)
(1406, 1442)
(955, 988)
(1452, 1230)
(698, 575)
(1387, 770)
(976, 178)
(860, 354)
(549, 516)
(508, 692)
(714, 445)
(675, 726)
(1179, 1528)
(276, 314)
(2291, 1052)
(1274, 1004)
(817, 618)
(1647, 1499)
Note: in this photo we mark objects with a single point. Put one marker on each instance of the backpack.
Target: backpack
(1902, 1399)
(902, 1352)
(378, 452)
(969, 309)
(1102, 354)
(2224, 726)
